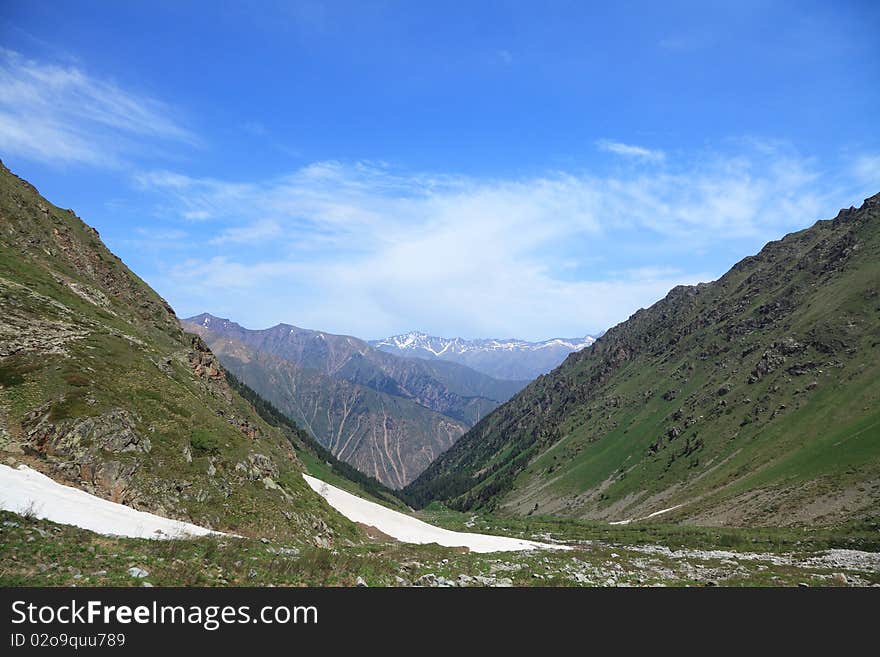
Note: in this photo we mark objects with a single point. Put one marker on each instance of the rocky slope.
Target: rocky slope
(752, 399)
(503, 359)
(387, 416)
(100, 388)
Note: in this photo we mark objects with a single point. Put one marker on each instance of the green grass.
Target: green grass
(861, 535)
(204, 442)
(36, 552)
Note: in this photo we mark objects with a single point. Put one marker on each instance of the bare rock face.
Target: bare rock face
(203, 362)
(111, 432)
(207, 368)
(257, 467)
(94, 449)
(248, 429)
(22, 333)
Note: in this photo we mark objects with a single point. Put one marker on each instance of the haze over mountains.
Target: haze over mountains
(502, 359)
(388, 416)
(754, 399)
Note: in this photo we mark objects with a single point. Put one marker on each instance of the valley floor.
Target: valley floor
(35, 551)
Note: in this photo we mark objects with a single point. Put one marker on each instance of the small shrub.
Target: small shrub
(10, 377)
(30, 512)
(204, 442)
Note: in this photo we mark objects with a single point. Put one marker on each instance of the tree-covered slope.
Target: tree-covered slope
(752, 399)
(101, 389)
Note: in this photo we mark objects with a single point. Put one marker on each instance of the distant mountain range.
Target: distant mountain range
(386, 415)
(503, 359)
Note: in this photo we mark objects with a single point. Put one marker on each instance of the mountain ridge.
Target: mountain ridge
(100, 388)
(720, 400)
(332, 354)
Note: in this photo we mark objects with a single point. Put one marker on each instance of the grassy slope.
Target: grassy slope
(679, 406)
(66, 358)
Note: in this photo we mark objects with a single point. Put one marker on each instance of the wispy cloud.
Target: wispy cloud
(254, 233)
(629, 150)
(61, 114)
(196, 215)
(368, 249)
(866, 169)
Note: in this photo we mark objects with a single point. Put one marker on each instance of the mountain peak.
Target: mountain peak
(209, 321)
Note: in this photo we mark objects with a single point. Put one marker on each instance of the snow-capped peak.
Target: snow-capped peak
(415, 341)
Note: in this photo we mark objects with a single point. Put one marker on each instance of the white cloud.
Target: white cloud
(254, 233)
(162, 234)
(628, 150)
(60, 114)
(196, 215)
(867, 170)
(369, 250)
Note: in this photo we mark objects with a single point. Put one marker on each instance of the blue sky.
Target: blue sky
(478, 169)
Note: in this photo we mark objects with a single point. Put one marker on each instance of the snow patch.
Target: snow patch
(24, 490)
(411, 530)
(650, 515)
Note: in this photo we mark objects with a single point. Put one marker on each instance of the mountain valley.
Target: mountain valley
(388, 416)
(728, 434)
(100, 388)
